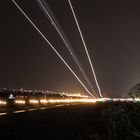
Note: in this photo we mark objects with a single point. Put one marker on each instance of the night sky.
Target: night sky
(112, 34)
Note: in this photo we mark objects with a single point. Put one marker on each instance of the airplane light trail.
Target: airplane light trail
(85, 47)
(49, 14)
(52, 47)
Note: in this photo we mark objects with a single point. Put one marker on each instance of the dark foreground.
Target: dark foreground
(100, 121)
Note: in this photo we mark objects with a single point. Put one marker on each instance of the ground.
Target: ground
(98, 121)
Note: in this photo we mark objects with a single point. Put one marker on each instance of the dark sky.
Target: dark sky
(112, 34)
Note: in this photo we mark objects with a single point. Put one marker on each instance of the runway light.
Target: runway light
(72, 101)
(33, 101)
(20, 101)
(3, 102)
(44, 101)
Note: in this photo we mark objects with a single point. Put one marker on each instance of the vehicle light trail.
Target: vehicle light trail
(49, 14)
(52, 47)
(85, 47)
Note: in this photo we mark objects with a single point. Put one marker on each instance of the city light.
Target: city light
(11, 96)
(77, 95)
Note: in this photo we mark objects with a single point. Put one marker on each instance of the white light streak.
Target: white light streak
(85, 47)
(52, 47)
(64, 39)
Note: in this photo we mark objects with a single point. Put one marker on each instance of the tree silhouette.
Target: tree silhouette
(135, 91)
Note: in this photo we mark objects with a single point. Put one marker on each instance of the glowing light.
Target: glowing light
(137, 99)
(44, 101)
(20, 101)
(33, 101)
(3, 102)
(11, 96)
(77, 95)
(72, 101)
(52, 48)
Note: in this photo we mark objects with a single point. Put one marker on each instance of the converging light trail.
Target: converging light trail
(52, 47)
(87, 53)
(49, 14)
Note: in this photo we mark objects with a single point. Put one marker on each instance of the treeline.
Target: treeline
(135, 91)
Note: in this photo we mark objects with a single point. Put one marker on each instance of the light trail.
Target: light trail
(52, 48)
(85, 47)
(44, 6)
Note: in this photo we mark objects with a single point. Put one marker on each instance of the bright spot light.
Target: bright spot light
(11, 96)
